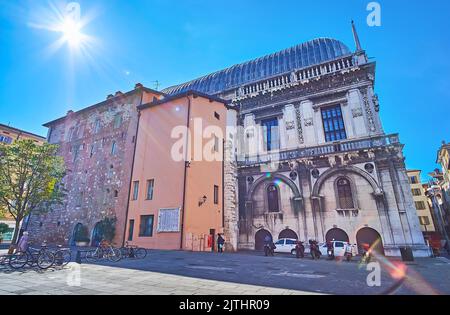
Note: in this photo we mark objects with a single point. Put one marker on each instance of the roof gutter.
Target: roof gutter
(132, 172)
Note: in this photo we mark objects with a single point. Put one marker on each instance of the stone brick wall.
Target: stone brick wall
(98, 175)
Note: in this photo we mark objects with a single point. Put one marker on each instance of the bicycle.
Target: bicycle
(130, 251)
(42, 257)
(104, 251)
(63, 256)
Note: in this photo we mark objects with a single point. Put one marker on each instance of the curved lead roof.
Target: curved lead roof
(304, 55)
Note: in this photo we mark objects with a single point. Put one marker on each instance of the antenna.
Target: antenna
(157, 84)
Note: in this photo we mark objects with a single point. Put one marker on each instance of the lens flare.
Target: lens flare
(71, 31)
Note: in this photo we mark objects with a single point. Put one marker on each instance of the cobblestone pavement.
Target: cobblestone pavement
(174, 272)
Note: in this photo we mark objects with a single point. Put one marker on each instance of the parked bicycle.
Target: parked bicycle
(134, 252)
(104, 251)
(63, 256)
(42, 257)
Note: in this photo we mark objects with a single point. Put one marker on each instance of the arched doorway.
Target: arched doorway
(288, 233)
(97, 235)
(336, 235)
(372, 237)
(75, 231)
(259, 238)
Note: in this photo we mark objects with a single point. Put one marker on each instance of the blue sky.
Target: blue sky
(173, 41)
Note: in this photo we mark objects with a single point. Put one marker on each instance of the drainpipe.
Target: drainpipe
(186, 165)
(223, 185)
(132, 171)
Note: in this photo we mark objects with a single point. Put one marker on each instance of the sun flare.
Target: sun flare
(71, 32)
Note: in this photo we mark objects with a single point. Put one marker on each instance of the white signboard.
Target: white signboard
(169, 220)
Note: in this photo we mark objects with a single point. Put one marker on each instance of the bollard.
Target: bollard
(78, 257)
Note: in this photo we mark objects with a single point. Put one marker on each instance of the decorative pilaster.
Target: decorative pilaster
(298, 117)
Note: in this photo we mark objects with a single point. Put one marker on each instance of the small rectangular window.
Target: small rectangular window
(91, 153)
(97, 126)
(216, 194)
(135, 190)
(117, 121)
(146, 226)
(216, 114)
(150, 188)
(424, 220)
(131, 230)
(420, 205)
(114, 148)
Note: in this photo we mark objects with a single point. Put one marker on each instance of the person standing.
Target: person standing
(22, 246)
(220, 243)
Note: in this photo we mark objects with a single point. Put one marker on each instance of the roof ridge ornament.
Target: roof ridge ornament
(361, 57)
(356, 37)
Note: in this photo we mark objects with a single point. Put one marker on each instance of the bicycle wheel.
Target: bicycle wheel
(63, 257)
(140, 253)
(114, 255)
(93, 256)
(45, 260)
(18, 260)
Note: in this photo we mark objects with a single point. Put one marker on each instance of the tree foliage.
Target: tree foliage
(107, 228)
(30, 179)
(3, 228)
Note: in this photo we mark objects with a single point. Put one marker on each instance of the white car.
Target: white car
(339, 248)
(285, 245)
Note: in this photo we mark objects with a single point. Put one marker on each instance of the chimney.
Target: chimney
(118, 93)
(109, 96)
(138, 86)
(69, 112)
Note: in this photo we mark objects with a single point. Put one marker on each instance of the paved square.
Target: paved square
(175, 273)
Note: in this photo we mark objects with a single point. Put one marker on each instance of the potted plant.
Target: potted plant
(108, 228)
(82, 237)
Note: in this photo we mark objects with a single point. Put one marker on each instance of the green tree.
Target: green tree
(30, 180)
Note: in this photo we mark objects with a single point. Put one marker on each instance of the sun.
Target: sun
(71, 32)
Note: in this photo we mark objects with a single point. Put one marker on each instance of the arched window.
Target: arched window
(272, 197)
(345, 197)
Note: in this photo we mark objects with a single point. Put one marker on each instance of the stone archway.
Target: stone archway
(288, 233)
(372, 237)
(337, 235)
(75, 231)
(274, 177)
(259, 238)
(343, 170)
(97, 235)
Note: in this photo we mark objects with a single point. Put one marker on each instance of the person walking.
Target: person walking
(220, 243)
(300, 250)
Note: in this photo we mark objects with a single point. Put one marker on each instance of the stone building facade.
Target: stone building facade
(313, 159)
(97, 144)
(307, 156)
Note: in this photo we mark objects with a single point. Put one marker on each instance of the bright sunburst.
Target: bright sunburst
(66, 20)
(71, 32)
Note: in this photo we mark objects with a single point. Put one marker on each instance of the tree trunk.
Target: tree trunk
(15, 236)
